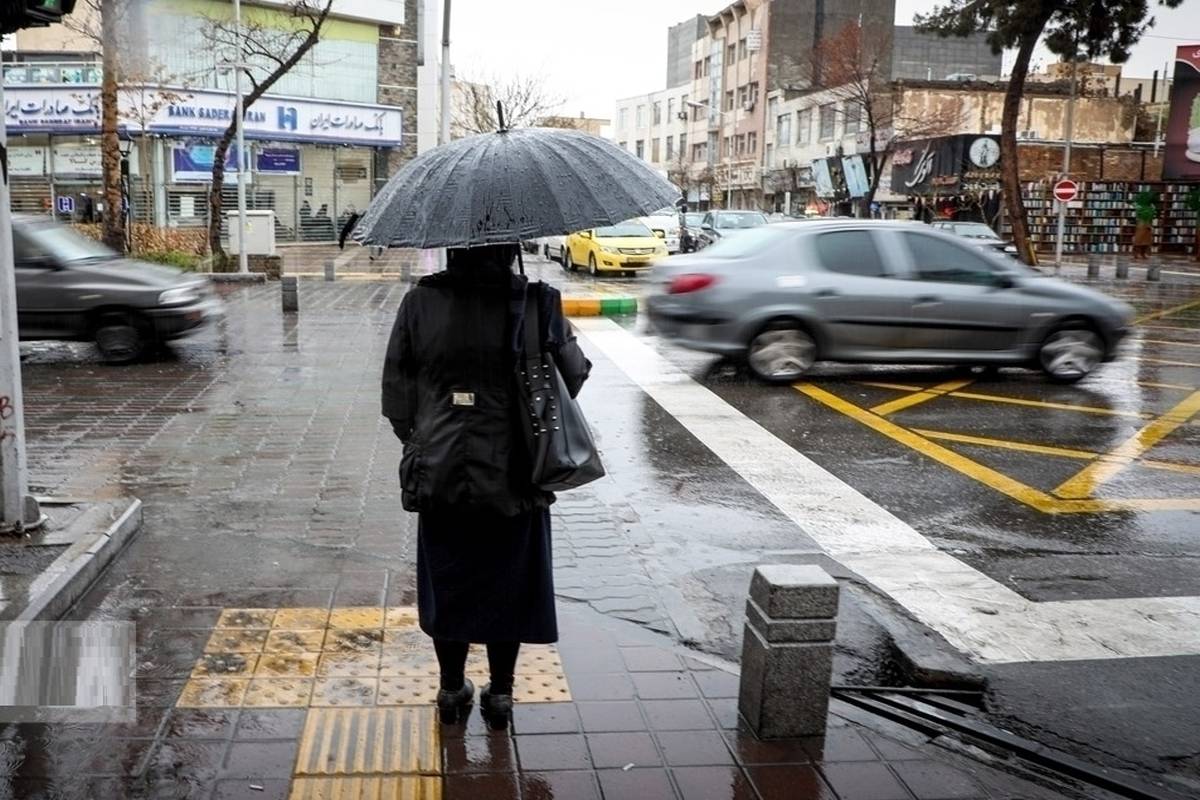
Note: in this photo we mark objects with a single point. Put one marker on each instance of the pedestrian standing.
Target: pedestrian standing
(484, 571)
(1143, 237)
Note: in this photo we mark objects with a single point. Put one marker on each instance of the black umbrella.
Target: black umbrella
(504, 187)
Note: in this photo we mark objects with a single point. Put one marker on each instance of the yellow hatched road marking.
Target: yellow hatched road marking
(1085, 482)
(922, 396)
(1005, 444)
(1020, 401)
(1168, 312)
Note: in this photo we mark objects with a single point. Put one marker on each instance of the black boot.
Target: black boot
(454, 706)
(496, 708)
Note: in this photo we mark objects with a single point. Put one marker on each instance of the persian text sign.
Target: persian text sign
(1182, 156)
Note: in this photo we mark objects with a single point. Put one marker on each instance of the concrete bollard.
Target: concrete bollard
(289, 288)
(1122, 270)
(1093, 266)
(1154, 271)
(330, 274)
(787, 650)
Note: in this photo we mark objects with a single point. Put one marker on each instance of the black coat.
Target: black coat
(449, 388)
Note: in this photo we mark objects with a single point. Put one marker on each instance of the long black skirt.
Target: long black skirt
(486, 578)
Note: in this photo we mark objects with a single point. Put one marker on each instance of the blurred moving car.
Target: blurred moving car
(718, 225)
(978, 232)
(665, 225)
(785, 296)
(71, 287)
(627, 247)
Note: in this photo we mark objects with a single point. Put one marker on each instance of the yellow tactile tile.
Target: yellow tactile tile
(398, 662)
(344, 691)
(403, 787)
(278, 693)
(356, 617)
(348, 665)
(370, 741)
(353, 640)
(228, 665)
(213, 693)
(541, 689)
(246, 618)
(286, 665)
(295, 641)
(407, 691)
(539, 660)
(400, 617)
(411, 639)
(233, 640)
(301, 618)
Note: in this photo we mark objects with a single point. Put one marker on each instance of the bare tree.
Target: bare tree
(852, 67)
(526, 100)
(268, 53)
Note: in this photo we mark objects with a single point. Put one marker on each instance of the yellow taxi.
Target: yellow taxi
(627, 247)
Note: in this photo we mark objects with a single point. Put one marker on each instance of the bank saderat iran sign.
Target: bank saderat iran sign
(76, 109)
(1182, 156)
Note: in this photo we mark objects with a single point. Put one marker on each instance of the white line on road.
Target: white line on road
(978, 615)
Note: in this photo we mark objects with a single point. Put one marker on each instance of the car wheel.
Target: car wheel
(1071, 352)
(781, 353)
(568, 262)
(593, 270)
(119, 339)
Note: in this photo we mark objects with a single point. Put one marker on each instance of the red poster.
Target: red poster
(1182, 159)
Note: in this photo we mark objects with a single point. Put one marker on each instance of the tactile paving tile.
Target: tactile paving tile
(370, 741)
(278, 693)
(246, 618)
(353, 640)
(398, 662)
(344, 691)
(356, 617)
(539, 659)
(286, 665)
(400, 617)
(217, 665)
(392, 787)
(348, 665)
(407, 691)
(232, 640)
(213, 693)
(301, 618)
(541, 689)
(295, 641)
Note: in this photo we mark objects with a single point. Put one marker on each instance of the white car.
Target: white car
(551, 247)
(665, 224)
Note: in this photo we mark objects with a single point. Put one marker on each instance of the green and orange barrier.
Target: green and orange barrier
(599, 306)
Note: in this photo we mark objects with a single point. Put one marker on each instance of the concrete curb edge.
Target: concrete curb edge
(80, 565)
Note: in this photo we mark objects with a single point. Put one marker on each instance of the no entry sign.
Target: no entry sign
(1066, 190)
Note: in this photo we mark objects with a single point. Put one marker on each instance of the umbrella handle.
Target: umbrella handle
(520, 260)
(500, 115)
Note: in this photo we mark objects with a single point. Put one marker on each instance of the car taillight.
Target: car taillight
(682, 284)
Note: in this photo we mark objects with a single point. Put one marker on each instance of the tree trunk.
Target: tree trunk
(110, 145)
(1010, 170)
(215, 201)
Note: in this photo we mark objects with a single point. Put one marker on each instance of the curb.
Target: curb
(599, 306)
(234, 277)
(66, 580)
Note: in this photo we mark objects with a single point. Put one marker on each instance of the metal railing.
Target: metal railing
(33, 73)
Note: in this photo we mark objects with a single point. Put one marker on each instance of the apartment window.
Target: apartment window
(670, 110)
(741, 144)
(623, 119)
(783, 129)
(853, 117)
(730, 55)
(827, 122)
(640, 117)
(699, 71)
(707, 66)
(654, 151)
(623, 145)
(726, 147)
(657, 113)
(729, 100)
(771, 156)
(752, 142)
(682, 145)
(743, 95)
(742, 49)
(698, 153)
(754, 92)
(639, 148)
(699, 111)
(670, 148)
(804, 126)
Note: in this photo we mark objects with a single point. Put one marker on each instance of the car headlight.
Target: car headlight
(178, 297)
(607, 249)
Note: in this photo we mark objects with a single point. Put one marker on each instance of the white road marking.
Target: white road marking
(980, 616)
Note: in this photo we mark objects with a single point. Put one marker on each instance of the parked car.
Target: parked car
(665, 225)
(689, 234)
(785, 296)
(978, 232)
(551, 247)
(71, 287)
(718, 225)
(628, 247)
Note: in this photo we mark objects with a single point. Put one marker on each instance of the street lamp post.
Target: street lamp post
(243, 258)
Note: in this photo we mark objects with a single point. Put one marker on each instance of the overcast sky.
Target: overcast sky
(590, 54)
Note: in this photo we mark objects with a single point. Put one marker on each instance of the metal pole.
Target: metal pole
(1166, 99)
(732, 145)
(17, 508)
(444, 133)
(243, 258)
(1066, 168)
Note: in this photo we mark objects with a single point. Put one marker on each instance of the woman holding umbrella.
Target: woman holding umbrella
(450, 386)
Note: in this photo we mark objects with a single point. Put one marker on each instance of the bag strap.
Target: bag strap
(532, 324)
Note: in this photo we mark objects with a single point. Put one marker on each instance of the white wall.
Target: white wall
(429, 97)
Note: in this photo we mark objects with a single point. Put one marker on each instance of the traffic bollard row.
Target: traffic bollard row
(787, 651)
(289, 287)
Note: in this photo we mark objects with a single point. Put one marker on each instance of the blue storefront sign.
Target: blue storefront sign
(66, 204)
(278, 161)
(193, 163)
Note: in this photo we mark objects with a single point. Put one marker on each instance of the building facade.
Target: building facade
(680, 39)
(654, 127)
(927, 56)
(320, 144)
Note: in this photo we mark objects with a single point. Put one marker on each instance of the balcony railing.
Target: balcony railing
(34, 73)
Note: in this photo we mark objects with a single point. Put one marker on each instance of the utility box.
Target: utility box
(260, 233)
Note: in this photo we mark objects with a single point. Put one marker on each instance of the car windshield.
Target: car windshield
(747, 244)
(624, 229)
(694, 218)
(749, 219)
(975, 230)
(66, 245)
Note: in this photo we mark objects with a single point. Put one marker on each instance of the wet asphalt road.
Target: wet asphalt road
(269, 481)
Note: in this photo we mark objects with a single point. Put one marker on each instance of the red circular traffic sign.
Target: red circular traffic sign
(1066, 190)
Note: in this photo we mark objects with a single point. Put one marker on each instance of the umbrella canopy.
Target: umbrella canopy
(504, 187)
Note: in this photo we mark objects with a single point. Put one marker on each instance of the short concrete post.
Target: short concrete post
(787, 650)
(1122, 270)
(330, 274)
(1093, 266)
(289, 286)
(1154, 271)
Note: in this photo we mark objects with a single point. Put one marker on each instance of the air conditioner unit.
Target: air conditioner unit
(1031, 134)
(748, 105)
(683, 115)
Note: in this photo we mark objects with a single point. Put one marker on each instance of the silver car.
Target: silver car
(785, 296)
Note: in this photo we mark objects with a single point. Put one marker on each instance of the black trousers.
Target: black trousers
(452, 663)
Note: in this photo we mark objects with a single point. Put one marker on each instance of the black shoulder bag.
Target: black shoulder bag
(563, 452)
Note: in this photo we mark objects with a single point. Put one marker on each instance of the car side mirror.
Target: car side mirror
(1005, 282)
(706, 226)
